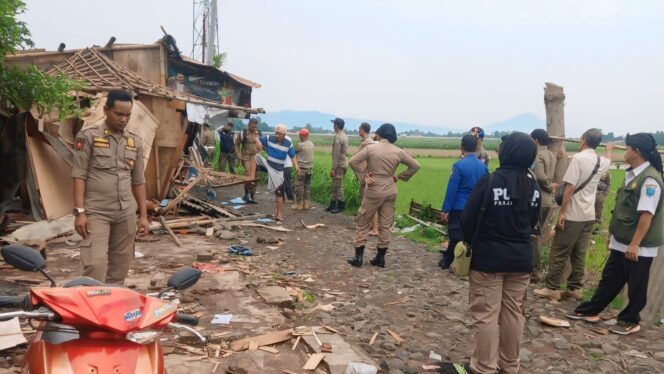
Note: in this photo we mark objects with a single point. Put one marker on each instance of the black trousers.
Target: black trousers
(618, 271)
(288, 183)
(455, 235)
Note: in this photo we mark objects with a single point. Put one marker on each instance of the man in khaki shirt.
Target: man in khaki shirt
(305, 159)
(108, 183)
(247, 146)
(575, 219)
(339, 167)
(544, 169)
(364, 131)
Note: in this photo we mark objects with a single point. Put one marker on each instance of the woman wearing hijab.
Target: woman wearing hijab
(502, 254)
(636, 233)
(380, 194)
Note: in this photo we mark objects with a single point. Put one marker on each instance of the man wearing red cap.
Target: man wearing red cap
(305, 155)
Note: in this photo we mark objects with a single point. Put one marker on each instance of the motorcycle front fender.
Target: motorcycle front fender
(95, 356)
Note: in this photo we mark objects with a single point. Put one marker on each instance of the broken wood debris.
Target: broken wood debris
(555, 322)
(268, 349)
(266, 339)
(404, 300)
(313, 361)
(297, 341)
(394, 335)
(183, 193)
(313, 332)
(169, 231)
(373, 338)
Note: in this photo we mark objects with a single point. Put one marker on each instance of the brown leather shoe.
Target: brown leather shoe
(571, 294)
(548, 293)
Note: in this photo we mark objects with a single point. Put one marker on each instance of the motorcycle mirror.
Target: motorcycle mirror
(184, 278)
(23, 258)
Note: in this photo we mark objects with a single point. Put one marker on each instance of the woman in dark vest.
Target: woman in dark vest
(636, 233)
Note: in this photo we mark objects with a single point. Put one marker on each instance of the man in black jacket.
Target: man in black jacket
(227, 148)
(502, 254)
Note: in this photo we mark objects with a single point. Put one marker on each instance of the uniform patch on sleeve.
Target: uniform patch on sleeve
(79, 144)
(651, 189)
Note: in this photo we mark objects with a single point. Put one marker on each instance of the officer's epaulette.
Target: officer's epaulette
(96, 126)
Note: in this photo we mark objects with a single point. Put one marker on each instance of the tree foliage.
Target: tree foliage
(21, 88)
(219, 59)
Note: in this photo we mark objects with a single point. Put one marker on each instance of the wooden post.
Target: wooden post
(654, 311)
(554, 103)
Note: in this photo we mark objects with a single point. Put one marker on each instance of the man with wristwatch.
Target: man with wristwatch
(108, 181)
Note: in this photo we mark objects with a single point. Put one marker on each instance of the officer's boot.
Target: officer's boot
(379, 260)
(306, 205)
(298, 205)
(359, 256)
(246, 197)
(252, 199)
(341, 205)
(333, 205)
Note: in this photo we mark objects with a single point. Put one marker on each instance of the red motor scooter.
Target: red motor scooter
(88, 327)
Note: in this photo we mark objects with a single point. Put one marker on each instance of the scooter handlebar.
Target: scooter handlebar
(16, 302)
(186, 319)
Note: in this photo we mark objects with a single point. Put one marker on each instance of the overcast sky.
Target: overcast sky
(441, 63)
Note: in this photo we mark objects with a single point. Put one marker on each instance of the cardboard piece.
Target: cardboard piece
(11, 334)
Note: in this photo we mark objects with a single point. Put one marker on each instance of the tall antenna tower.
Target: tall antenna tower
(205, 36)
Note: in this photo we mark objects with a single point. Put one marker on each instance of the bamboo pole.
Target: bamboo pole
(170, 232)
(616, 146)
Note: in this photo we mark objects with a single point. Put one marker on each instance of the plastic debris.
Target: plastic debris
(222, 319)
(240, 250)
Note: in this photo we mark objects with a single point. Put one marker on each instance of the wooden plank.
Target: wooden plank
(142, 61)
(394, 335)
(333, 330)
(297, 341)
(52, 178)
(266, 339)
(253, 345)
(313, 361)
(170, 232)
(268, 349)
(175, 158)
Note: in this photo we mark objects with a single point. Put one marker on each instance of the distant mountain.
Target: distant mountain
(292, 118)
(525, 122)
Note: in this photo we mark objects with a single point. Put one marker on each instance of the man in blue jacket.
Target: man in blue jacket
(465, 174)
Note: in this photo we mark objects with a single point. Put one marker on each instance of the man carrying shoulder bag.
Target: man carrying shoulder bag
(575, 219)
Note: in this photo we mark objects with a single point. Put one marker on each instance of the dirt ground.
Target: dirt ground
(412, 297)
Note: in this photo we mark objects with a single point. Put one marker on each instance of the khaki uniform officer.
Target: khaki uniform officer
(247, 147)
(107, 171)
(382, 160)
(339, 167)
(544, 170)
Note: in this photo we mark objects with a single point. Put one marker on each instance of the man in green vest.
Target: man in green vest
(636, 232)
